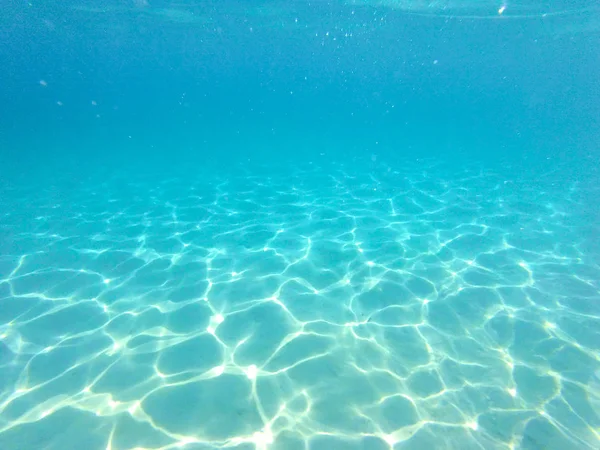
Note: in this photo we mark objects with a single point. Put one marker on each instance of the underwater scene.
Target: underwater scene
(299, 225)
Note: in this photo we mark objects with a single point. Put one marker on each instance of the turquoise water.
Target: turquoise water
(294, 225)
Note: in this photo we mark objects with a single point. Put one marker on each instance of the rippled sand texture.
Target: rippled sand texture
(322, 308)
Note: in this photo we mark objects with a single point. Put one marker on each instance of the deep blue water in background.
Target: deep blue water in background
(289, 225)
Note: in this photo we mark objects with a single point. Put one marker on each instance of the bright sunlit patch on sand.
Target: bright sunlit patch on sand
(389, 439)
(262, 439)
(217, 371)
(251, 372)
(215, 321)
(472, 425)
(185, 441)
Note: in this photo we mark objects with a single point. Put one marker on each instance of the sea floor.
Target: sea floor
(321, 306)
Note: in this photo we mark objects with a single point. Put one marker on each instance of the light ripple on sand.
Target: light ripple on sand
(330, 307)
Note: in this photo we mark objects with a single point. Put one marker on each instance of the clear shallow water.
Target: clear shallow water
(328, 305)
(291, 225)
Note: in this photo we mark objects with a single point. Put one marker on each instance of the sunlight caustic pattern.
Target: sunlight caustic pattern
(319, 308)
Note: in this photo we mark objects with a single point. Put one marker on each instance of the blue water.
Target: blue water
(299, 225)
